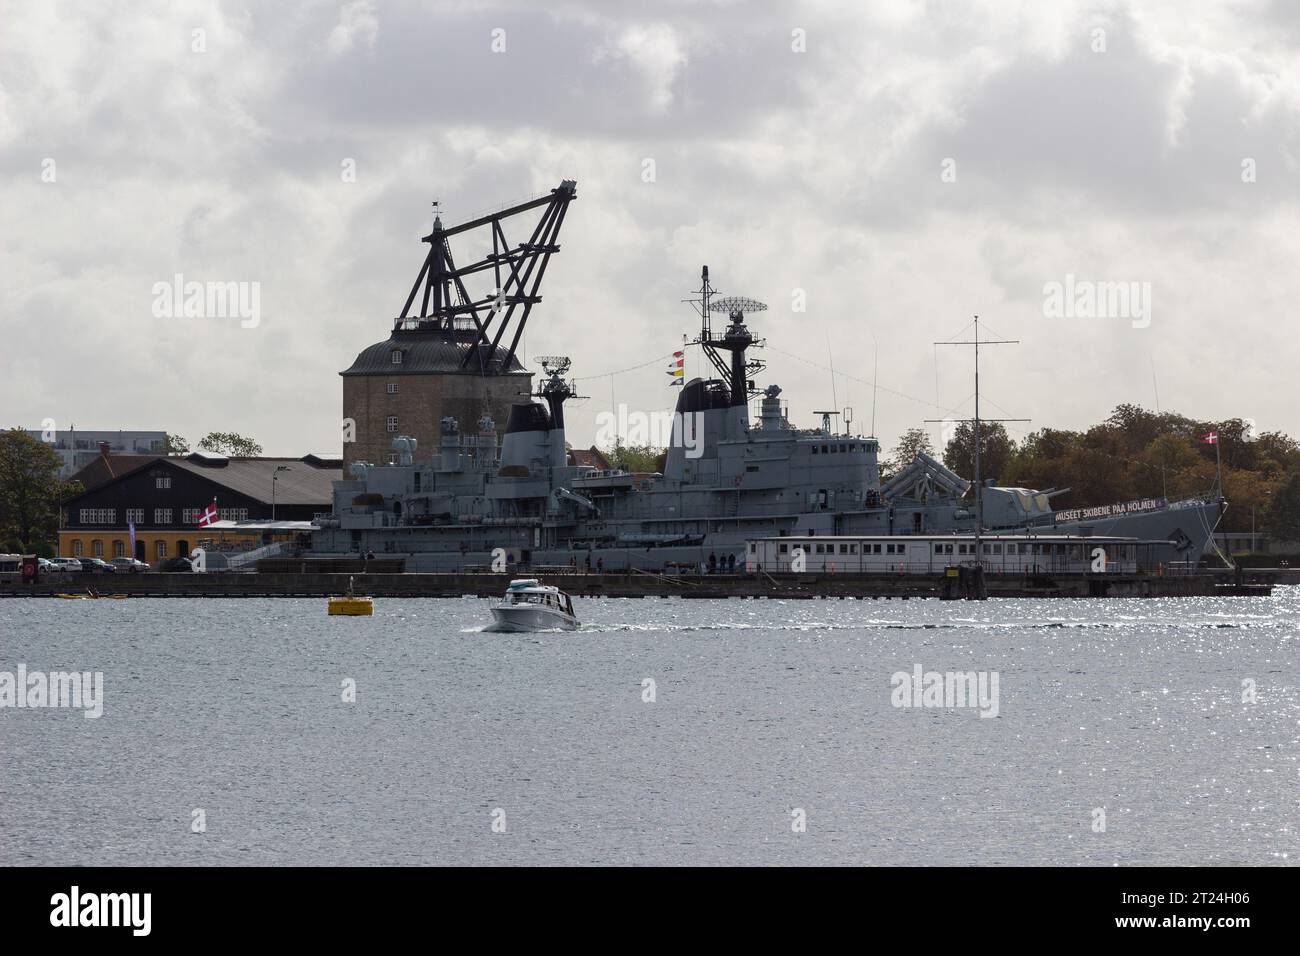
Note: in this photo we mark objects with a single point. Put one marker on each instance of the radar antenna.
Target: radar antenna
(736, 370)
(555, 391)
(826, 421)
(554, 365)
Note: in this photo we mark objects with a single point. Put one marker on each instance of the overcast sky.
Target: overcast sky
(905, 165)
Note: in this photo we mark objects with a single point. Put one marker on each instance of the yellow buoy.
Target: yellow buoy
(352, 606)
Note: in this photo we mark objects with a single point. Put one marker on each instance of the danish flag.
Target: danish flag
(1210, 438)
(208, 514)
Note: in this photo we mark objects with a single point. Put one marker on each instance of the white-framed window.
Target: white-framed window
(135, 514)
(232, 514)
(97, 515)
(162, 481)
(96, 548)
(162, 515)
(391, 423)
(76, 548)
(119, 549)
(392, 456)
(190, 516)
(397, 356)
(392, 388)
(160, 550)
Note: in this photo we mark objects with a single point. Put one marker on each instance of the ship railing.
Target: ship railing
(247, 560)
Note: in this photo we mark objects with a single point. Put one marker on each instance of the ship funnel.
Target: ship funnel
(527, 439)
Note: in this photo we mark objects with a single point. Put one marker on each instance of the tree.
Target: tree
(911, 442)
(30, 492)
(996, 449)
(634, 458)
(176, 445)
(230, 443)
(1283, 515)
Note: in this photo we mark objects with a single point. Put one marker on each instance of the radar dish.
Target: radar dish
(736, 303)
(554, 364)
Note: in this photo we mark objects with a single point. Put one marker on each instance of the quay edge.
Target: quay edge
(636, 585)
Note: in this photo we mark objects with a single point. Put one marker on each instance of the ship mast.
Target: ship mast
(975, 342)
(735, 370)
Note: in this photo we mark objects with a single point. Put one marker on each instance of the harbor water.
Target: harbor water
(262, 732)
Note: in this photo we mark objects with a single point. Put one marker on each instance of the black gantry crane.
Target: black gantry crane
(447, 303)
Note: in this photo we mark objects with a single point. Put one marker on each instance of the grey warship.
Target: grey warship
(484, 499)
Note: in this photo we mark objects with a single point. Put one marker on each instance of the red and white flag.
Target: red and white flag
(208, 514)
(1210, 438)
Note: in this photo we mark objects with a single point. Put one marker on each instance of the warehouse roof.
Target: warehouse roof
(301, 483)
(298, 481)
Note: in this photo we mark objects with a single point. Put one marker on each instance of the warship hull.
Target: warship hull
(717, 537)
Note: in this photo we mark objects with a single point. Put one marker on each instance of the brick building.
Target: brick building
(408, 383)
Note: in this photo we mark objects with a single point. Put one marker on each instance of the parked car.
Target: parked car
(65, 565)
(96, 566)
(129, 565)
(176, 565)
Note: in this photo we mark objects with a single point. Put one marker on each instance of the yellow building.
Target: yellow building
(259, 501)
(156, 546)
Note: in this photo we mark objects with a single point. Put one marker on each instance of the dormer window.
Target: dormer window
(397, 356)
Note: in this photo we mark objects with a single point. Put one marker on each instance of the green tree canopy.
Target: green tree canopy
(635, 458)
(909, 443)
(1283, 514)
(996, 449)
(30, 492)
(230, 443)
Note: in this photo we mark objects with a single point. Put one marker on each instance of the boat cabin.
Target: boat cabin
(529, 591)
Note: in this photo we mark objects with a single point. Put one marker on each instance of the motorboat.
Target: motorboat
(529, 605)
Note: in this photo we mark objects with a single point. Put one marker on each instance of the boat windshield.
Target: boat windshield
(528, 598)
(545, 598)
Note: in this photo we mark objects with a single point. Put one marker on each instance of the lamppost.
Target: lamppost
(275, 477)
